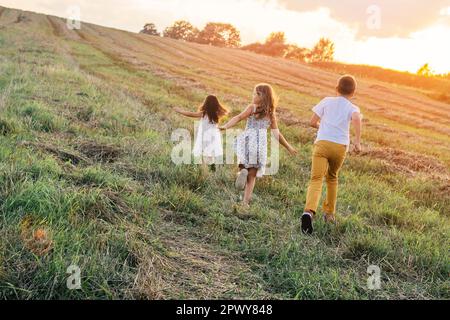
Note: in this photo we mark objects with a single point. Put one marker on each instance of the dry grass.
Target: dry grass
(407, 162)
(35, 238)
(62, 155)
(99, 152)
(181, 265)
(289, 119)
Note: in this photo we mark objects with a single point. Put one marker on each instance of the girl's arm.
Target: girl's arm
(188, 113)
(279, 136)
(234, 121)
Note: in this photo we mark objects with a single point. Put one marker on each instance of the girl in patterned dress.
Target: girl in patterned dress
(251, 145)
(208, 144)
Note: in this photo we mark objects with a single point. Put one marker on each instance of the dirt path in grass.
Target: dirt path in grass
(183, 265)
(60, 29)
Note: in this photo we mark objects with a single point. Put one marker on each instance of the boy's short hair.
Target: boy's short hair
(346, 85)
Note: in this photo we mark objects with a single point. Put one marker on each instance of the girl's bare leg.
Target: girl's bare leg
(251, 180)
(241, 179)
(204, 169)
(205, 164)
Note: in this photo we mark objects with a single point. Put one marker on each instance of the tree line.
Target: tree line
(226, 35)
(426, 71)
(277, 46)
(216, 34)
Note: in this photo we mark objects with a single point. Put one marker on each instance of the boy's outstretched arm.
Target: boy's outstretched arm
(357, 125)
(279, 136)
(188, 113)
(315, 121)
(235, 120)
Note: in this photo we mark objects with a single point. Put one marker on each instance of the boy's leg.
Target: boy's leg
(318, 171)
(335, 162)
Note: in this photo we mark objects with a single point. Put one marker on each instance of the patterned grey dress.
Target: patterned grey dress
(251, 145)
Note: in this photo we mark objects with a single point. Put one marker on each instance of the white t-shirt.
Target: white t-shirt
(335, 116)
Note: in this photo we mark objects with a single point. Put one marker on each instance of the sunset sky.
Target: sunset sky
(398, 34)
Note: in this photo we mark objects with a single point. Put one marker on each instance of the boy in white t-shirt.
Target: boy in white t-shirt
(332, 116)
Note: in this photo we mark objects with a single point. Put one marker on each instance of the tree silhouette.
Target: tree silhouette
(255, 47)
(150, 29)
(275, 44)
(323, 51)
(294, 52)
(181, 30)
(276, 38)
(220, 35)
(425, 70)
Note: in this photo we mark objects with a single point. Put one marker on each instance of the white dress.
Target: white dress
(208, 141)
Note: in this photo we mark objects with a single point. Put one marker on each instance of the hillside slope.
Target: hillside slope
(86, 176)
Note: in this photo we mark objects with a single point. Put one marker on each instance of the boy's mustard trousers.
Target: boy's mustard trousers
(327, 160)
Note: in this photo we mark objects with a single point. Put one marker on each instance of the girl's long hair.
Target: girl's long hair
(213, 109)
(268, 101)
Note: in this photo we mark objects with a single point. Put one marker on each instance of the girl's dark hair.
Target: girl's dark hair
(213, 109)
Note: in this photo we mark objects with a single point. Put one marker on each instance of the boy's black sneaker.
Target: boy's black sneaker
(307, 227)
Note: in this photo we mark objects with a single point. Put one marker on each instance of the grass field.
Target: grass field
(86, 177)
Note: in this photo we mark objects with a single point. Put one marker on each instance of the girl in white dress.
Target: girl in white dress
(208, 143)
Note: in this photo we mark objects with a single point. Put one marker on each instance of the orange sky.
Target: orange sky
(397, 34)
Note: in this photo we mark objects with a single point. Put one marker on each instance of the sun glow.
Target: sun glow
(406, 54)
(256, 19)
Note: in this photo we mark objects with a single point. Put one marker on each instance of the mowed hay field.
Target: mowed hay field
(86, 177)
